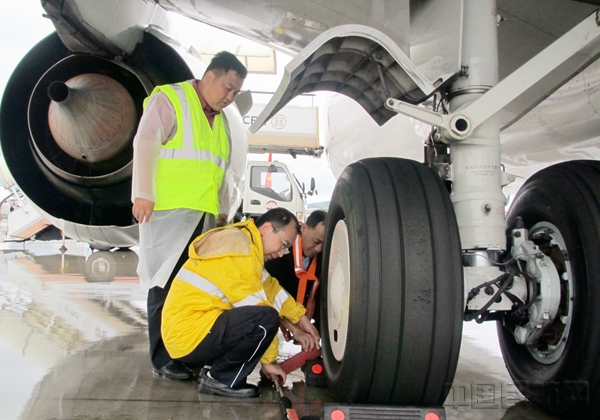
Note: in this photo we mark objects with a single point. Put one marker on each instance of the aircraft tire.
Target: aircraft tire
(393, 285)
(561, 374)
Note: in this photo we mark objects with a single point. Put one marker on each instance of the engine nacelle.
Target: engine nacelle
(67, 123)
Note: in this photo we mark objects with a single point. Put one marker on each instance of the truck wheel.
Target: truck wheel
(392, 282)
(560, 372)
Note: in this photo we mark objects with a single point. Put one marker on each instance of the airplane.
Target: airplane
(454, 101)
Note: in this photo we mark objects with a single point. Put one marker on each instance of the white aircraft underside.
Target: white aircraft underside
(546, 135)
(486, 93)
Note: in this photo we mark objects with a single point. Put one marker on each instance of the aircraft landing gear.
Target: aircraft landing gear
(393, 285)
(558, 369)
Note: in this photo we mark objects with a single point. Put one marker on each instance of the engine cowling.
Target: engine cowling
(67, 123)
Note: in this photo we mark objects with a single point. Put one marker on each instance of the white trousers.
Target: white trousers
(162, 240)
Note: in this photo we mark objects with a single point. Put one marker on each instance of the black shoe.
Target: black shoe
(203, 371)
(174, 370)
(210, 386)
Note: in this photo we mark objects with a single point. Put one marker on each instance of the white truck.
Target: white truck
(271, 184)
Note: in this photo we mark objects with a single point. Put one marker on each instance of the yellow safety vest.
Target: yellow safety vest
(191, 166)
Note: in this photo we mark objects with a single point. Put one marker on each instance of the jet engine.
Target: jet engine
(67, 122)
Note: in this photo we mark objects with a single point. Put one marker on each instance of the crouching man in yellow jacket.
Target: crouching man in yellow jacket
(224, 308)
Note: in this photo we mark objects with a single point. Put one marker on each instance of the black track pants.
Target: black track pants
(236, 342)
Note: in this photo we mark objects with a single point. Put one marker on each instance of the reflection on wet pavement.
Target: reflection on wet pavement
(74, 342)
(73, 345)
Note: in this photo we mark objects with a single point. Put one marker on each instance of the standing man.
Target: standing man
(182, 151)
(303, 261)
(224, 309)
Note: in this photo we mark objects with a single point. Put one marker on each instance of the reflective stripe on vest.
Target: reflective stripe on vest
(280, 299)
(252, 300)
(194, 154)
(304, 276)
(210, 288)
(192, 165)
(281, 296)
(298, 252)
(201, 283)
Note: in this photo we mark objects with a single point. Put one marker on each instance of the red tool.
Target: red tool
(298, 360)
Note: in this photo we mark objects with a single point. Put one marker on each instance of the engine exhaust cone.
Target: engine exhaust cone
(91, 117)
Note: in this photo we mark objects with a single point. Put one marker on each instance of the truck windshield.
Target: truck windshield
(275, 184)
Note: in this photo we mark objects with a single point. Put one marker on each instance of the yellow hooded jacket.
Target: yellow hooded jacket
(225, 270)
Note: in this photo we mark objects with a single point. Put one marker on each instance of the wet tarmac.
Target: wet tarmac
(73, 345)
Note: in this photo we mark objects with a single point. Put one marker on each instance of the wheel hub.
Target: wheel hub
(550, 345)
(338, 296)
(549, 314)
